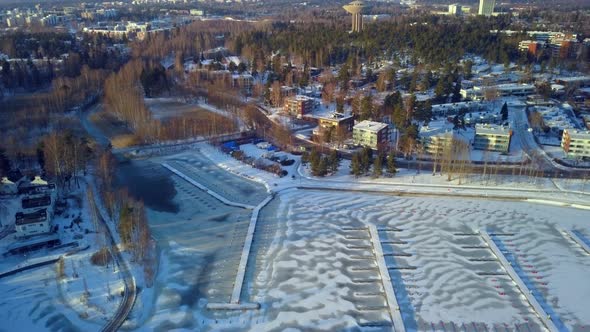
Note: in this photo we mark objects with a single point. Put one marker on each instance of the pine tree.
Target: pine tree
(355, 165)
(4, 163)
(323, 166)
(366, 155)
(315, 159)
(378, 166)
(504, 112)
(334, 161)
(391, 169)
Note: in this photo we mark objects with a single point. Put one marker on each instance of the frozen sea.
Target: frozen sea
(312, 267)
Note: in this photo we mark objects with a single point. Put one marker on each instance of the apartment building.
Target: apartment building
(576, 143)
(371, 134)
(299, 105)
(486, 7)
(492, 138)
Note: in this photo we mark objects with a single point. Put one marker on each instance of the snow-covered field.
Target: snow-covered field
(162, 108)
(31, 302)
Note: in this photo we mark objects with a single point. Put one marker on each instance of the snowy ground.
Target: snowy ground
(309, 272)
(306, 277)
(199, 238)
(38, 300)
(487, 184)
(162, 108)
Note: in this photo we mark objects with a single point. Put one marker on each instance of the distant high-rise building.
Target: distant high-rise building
(356, 9)
(486, 7)
(455, 9)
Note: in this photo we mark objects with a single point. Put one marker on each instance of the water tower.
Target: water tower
(356, 9)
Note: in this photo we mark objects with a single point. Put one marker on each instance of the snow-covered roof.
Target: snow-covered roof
(578, 134)
(490, 129)
(236, 60)
(515, 86)
(371, 126)
(37, 181)
(334, 116)
(574, 79)
(6, 181)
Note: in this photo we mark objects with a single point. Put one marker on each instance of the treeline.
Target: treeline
(189, 40)
(128, 214)
(424, 39)
(64, 157)
(61, 155)
(124, 97)
(23, 45)
(320, 164)
(36, 59)
(362, 160)
(26, 119)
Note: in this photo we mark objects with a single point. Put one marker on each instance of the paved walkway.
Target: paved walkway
(578, 238)
(394, 309)
(239, 282)
(130, 289)
(235, 297)
(545, 317)
(207, 190)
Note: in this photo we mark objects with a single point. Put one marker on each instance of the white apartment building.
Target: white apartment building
(486, 7)
(576, 143)
(370, 134)
(492, 138)
(455, 9)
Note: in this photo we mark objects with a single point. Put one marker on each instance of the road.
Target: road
(7, 231)
(90, 128)
(527, 141)
(130, 290)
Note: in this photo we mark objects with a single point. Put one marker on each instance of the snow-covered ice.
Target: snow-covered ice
(308, 271)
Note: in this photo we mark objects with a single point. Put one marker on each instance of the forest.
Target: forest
(430, 40)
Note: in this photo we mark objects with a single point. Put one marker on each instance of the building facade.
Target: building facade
(299, 105)
(371, 134)
(486, 7)
(435, 140)
(576, 143)
(338, 125)
(492, 138)
(455, 9)
(33, 223)
(337, 121)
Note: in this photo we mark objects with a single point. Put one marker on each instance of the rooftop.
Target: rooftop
(301, 98)
(371, 126)
(572, 79)
(510, 86)
(335, 116)
(31, 218)
(28, 203)
(578, 134)
(492, 129)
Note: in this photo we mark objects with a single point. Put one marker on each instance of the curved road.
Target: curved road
(130, 290)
